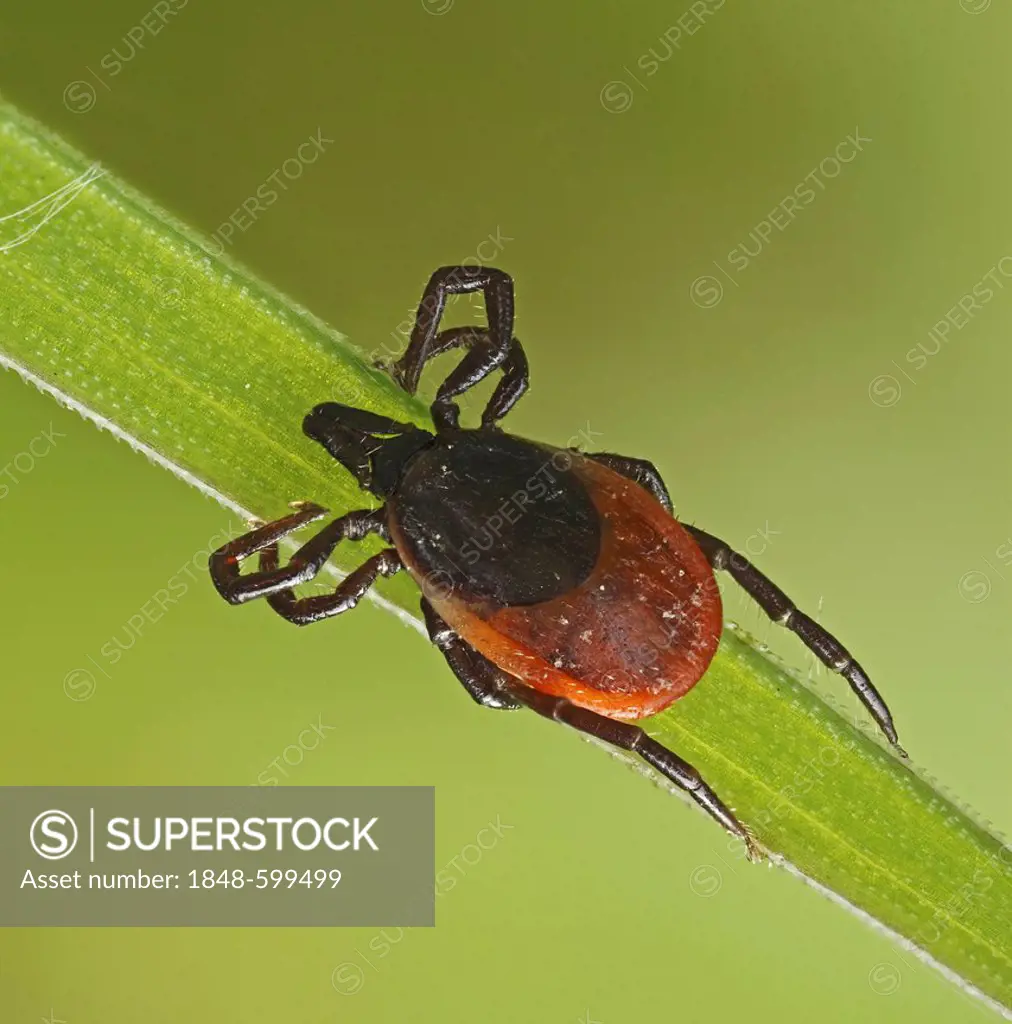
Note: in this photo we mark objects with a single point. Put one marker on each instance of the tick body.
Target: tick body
(562, 572)
(551, 579)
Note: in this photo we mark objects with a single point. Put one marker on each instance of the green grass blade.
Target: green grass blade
(115, 307)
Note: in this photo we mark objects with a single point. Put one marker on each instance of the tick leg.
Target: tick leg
(304, 564)
(484, 356)
(633, 738)
(305, 610)
(489, 348)
(491, 687)
(779, 607)
(486, 683)
(638, 470)
(446, 281)
(515, 380)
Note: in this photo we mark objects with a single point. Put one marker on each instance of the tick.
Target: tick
(551, 579)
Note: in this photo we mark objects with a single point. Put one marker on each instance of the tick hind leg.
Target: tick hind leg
(779, 607)
(488, 348)
(634, 739)
(274, 583)
(491, 687)
(485, 683)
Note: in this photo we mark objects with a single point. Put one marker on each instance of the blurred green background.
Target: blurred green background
(619, 155)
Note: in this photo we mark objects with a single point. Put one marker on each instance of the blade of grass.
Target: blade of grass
(117, 309)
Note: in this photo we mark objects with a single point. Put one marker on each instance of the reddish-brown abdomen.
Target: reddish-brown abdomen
(635, 635)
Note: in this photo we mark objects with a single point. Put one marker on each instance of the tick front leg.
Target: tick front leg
(485, 354)
(304, 564)
(781, 609)
(486, 683)
(455, 280)
(489, 348)
(633, 738)
(305, 610)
